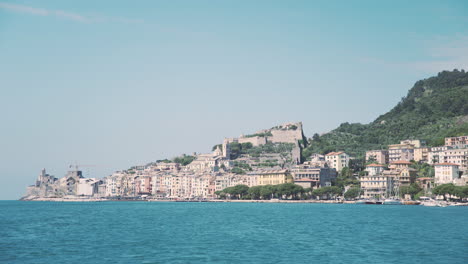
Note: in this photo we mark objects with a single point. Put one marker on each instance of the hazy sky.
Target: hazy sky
(118, 83)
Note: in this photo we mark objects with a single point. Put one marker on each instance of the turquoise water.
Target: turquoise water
(142, 232)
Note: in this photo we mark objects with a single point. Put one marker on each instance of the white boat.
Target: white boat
(390, 201)
(360, 201)
(434, 203)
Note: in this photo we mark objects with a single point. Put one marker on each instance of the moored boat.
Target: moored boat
(390, 201)
(361, 201)
(411, 202)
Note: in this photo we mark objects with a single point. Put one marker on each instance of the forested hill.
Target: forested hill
(434, 108)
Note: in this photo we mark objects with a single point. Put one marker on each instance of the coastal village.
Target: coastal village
(247, 166)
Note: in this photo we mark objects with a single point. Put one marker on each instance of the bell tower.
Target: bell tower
(226, 149)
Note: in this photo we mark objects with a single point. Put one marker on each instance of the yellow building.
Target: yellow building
(272, 177)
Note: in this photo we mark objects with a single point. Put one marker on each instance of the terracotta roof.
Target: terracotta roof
(401, 162)
(446, 164)
(375, 165)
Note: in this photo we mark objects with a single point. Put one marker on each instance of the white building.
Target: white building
(457, 156)
(445, 172)
(375, 169)
(88, 187)
(376, 183)
(337, 160)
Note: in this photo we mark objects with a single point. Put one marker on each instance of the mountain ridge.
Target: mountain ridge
(434, 108)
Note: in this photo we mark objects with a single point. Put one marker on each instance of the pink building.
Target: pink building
(143, 185)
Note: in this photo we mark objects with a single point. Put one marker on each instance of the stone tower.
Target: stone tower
(226, 149)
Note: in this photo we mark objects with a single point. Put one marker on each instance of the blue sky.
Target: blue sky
(118, 83)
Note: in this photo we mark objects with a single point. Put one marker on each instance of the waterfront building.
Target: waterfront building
(377, 186)
(402, 173)
(203, 186)
(379, 156)
(321, 175)
(446, 172)
(337, 160)
(68, 185)
(143, 185)
(88, 187)
(271, 177)
(376, 183)
(225, 180)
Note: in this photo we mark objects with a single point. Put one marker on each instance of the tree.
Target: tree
(221, 194)
(216, 146)
(346, 178)
(352, 193)
(267, 192)
(318, 192)
(184, 159)
(241, 190)
(444, 189)
(307, 193)
(412, 190)
(333, 191)
(329, 192)
(237, 170)
(316, 137)
(461, 191)
(255, 192)
(289, 190)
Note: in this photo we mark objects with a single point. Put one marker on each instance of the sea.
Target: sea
(172, 232)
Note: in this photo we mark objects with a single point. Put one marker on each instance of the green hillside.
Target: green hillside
(434, 108)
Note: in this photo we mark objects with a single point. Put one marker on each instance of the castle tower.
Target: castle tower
(226, 149)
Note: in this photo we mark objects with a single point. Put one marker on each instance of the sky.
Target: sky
(110, 84)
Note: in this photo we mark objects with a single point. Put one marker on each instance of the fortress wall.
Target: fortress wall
(256, 141)
(287, 136)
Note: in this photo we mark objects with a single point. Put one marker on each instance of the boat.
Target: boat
(410, 202)
(372, 201)
(391, 201)
(433, 203)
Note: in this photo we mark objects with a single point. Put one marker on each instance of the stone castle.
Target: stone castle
(286, 133)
